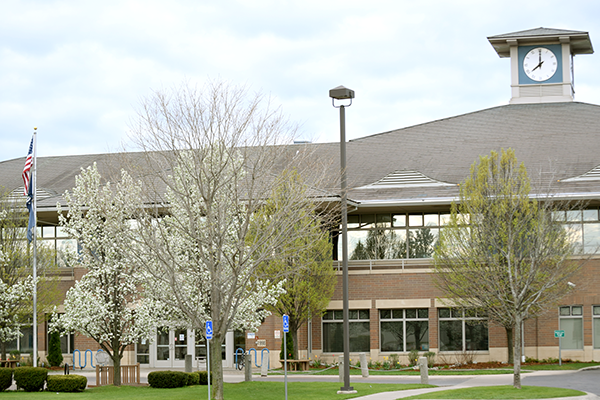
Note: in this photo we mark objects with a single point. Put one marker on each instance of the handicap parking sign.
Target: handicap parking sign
(209, 330)
(286, 323)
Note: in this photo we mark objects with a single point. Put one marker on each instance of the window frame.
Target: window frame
(337, 318)
(404, 320)
(464, 320)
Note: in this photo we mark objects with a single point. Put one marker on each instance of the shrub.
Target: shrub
(30, 379)
(413, 357)
(15, 355)
(55, 357)
(167, 379)
(430, 358)
(66, 383)
(289, 347)
(193, 378)
(6, 375)
(203, 375)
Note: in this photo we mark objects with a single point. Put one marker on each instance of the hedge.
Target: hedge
(66, 383)
(193, 378)
(203, 375)
(6, 375)
(30, 379)
(167, 379)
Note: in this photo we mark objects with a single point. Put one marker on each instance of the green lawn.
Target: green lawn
(501, 392)
(233, 391)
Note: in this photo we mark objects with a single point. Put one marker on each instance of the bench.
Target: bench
(296, 365)
(9, 363)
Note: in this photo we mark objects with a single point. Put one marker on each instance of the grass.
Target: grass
(501, 392)
(233, 391)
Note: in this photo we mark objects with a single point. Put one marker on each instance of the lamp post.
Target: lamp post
(343, 93)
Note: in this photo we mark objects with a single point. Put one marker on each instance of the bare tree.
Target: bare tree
(211, 157)
(503, 251)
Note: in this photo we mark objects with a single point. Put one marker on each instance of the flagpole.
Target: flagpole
(34, 235)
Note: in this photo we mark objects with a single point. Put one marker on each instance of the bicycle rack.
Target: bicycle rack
(239, 365)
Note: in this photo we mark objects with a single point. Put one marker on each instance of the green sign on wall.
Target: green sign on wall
(558, 334)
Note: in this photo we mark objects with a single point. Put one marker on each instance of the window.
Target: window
(390, 236)
(460, 331)
(596, 322)
(24, 343)
(333, 330)
(404, 329)
(571, 321)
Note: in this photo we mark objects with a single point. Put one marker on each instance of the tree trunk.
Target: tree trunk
(295, 340)
(517, 354)
(116, 359)
(3, 350)
(216, 366)
(510, 345)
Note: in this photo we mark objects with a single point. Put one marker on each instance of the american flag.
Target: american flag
(27, 169)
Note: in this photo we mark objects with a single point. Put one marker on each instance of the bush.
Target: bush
(15, 355)
(193, 378)
(66, 383)
(6, 375)
(289, 347)
(430, 358)
(413, 357)
(30, 379)
(167, 379)
(55, 357)
(203, 375)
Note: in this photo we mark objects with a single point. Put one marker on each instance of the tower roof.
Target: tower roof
(579, 40)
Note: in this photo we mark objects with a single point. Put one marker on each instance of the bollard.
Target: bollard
(341, 367)
(66, 368)
(424, 370)
(188, 363)
(264, 368)
(248, 367)
(364, 367)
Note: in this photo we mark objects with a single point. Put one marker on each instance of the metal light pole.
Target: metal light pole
(343, 93)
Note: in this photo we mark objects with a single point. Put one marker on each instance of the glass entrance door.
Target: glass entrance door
(171, 347)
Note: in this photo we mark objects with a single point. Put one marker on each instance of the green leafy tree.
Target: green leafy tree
(304, 264)
(16, 284)
(502, 251)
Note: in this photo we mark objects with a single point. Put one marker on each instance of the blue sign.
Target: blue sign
(209, 330)
(286, 323)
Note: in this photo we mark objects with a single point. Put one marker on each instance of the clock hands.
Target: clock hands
(540, 63)
(538, 66)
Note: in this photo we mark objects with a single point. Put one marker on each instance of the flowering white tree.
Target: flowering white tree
(12, 297)
(213, 153)
(106, 304)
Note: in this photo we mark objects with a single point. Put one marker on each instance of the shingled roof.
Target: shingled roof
(421, 164)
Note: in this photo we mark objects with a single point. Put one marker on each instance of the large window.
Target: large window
(392, 236)
(584, 228)
(571, 321)
(56, 238)
(404, 329)
(460, 331)
(24, 343)
(333, 331)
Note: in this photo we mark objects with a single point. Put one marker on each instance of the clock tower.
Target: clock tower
(541, 62)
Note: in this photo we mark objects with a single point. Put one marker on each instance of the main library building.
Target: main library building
(401, 185)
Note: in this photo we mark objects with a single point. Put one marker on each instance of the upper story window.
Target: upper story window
(392, 236)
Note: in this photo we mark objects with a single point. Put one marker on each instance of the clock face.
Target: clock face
(540, 64)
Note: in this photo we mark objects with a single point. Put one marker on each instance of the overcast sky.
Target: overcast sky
(78, 69)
